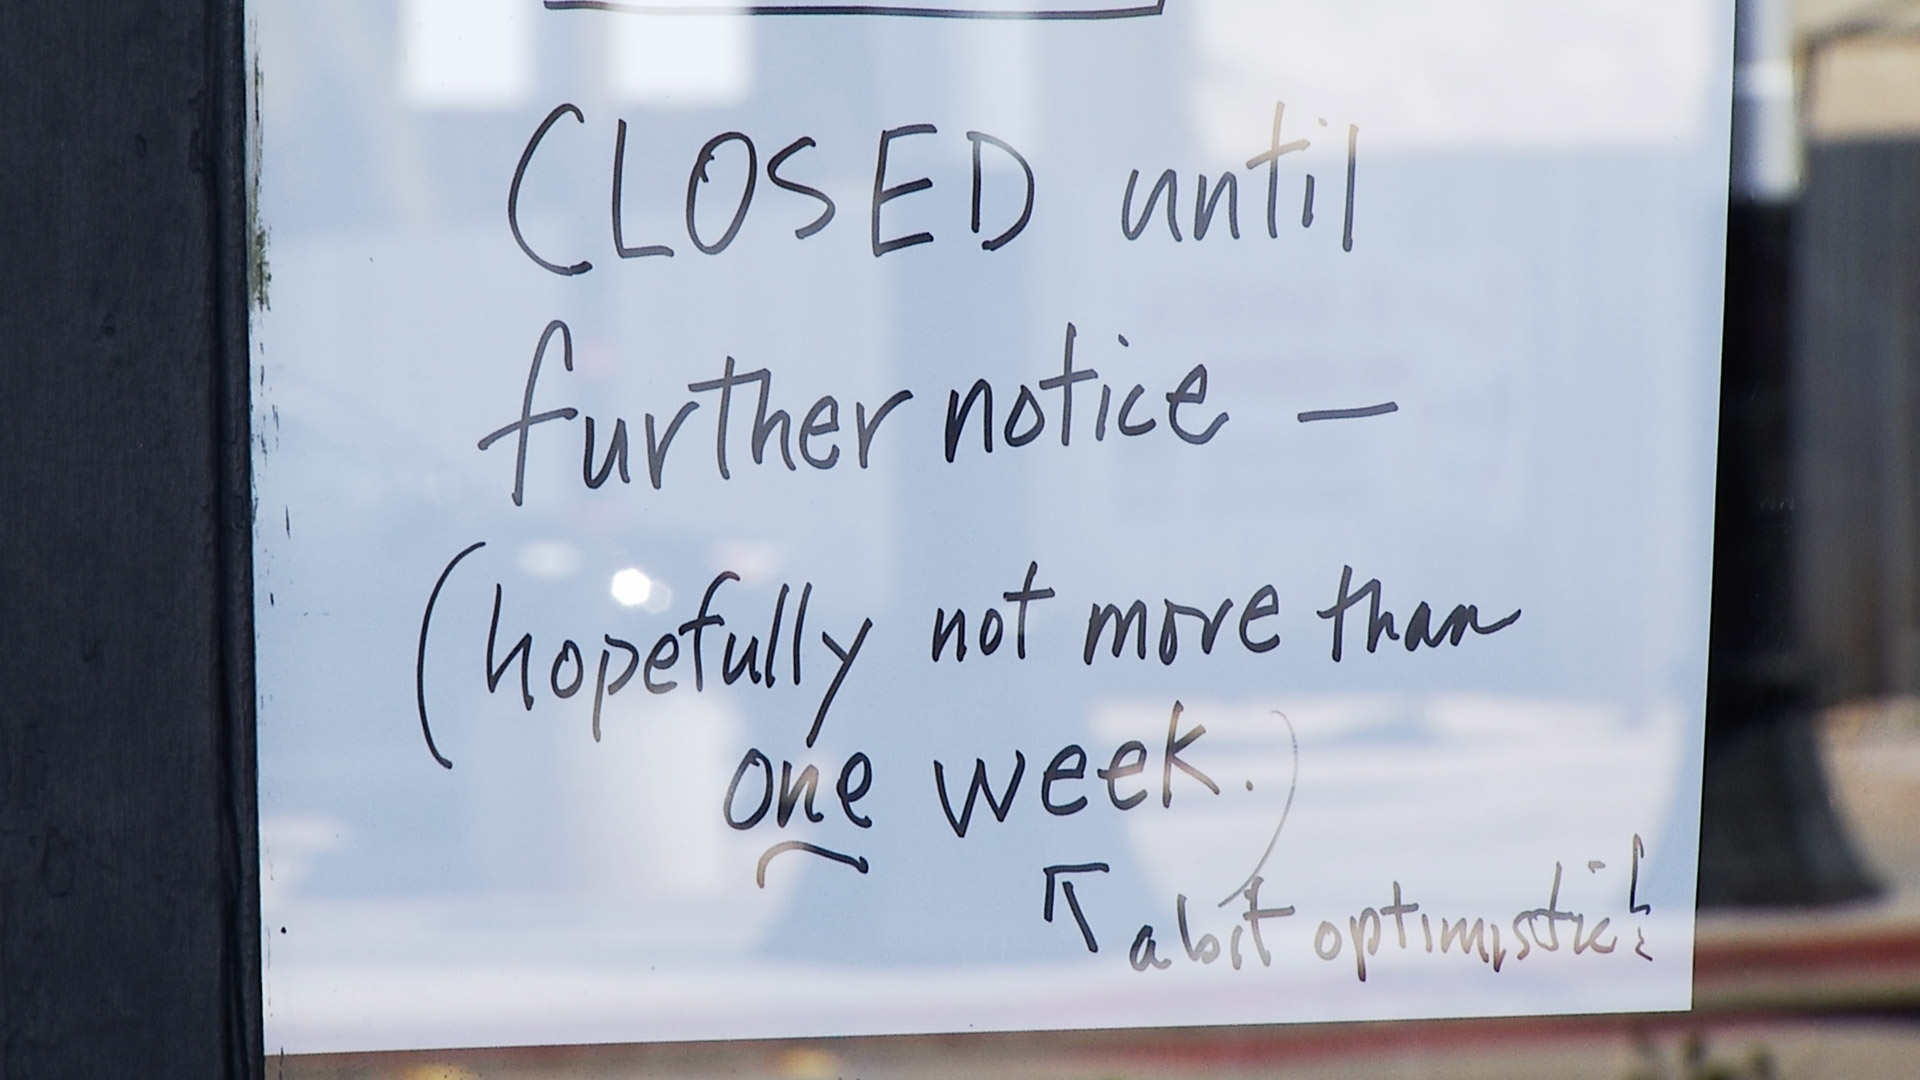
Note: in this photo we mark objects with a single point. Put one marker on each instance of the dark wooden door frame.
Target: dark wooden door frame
(128, 850)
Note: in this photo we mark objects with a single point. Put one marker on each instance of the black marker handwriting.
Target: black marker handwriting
(420, 656)
(760, 871)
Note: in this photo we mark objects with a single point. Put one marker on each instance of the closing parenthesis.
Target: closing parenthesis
(420, 657)
(1293, 786)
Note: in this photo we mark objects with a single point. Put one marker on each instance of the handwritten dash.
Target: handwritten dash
(1381, 409)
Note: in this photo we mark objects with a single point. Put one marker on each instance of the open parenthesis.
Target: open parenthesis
(420, 656)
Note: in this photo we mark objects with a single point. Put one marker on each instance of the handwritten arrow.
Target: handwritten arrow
(1073, 902)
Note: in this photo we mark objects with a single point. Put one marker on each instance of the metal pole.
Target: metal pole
(1769, 833)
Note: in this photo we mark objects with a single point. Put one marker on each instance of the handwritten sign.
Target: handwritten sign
(946, 518)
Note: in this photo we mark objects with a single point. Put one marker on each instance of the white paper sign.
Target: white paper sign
(844, 518)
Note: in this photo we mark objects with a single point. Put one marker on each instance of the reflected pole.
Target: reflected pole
(1770, 836)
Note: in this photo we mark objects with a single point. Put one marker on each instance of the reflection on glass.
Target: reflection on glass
(465, 54)
(1194, 516)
